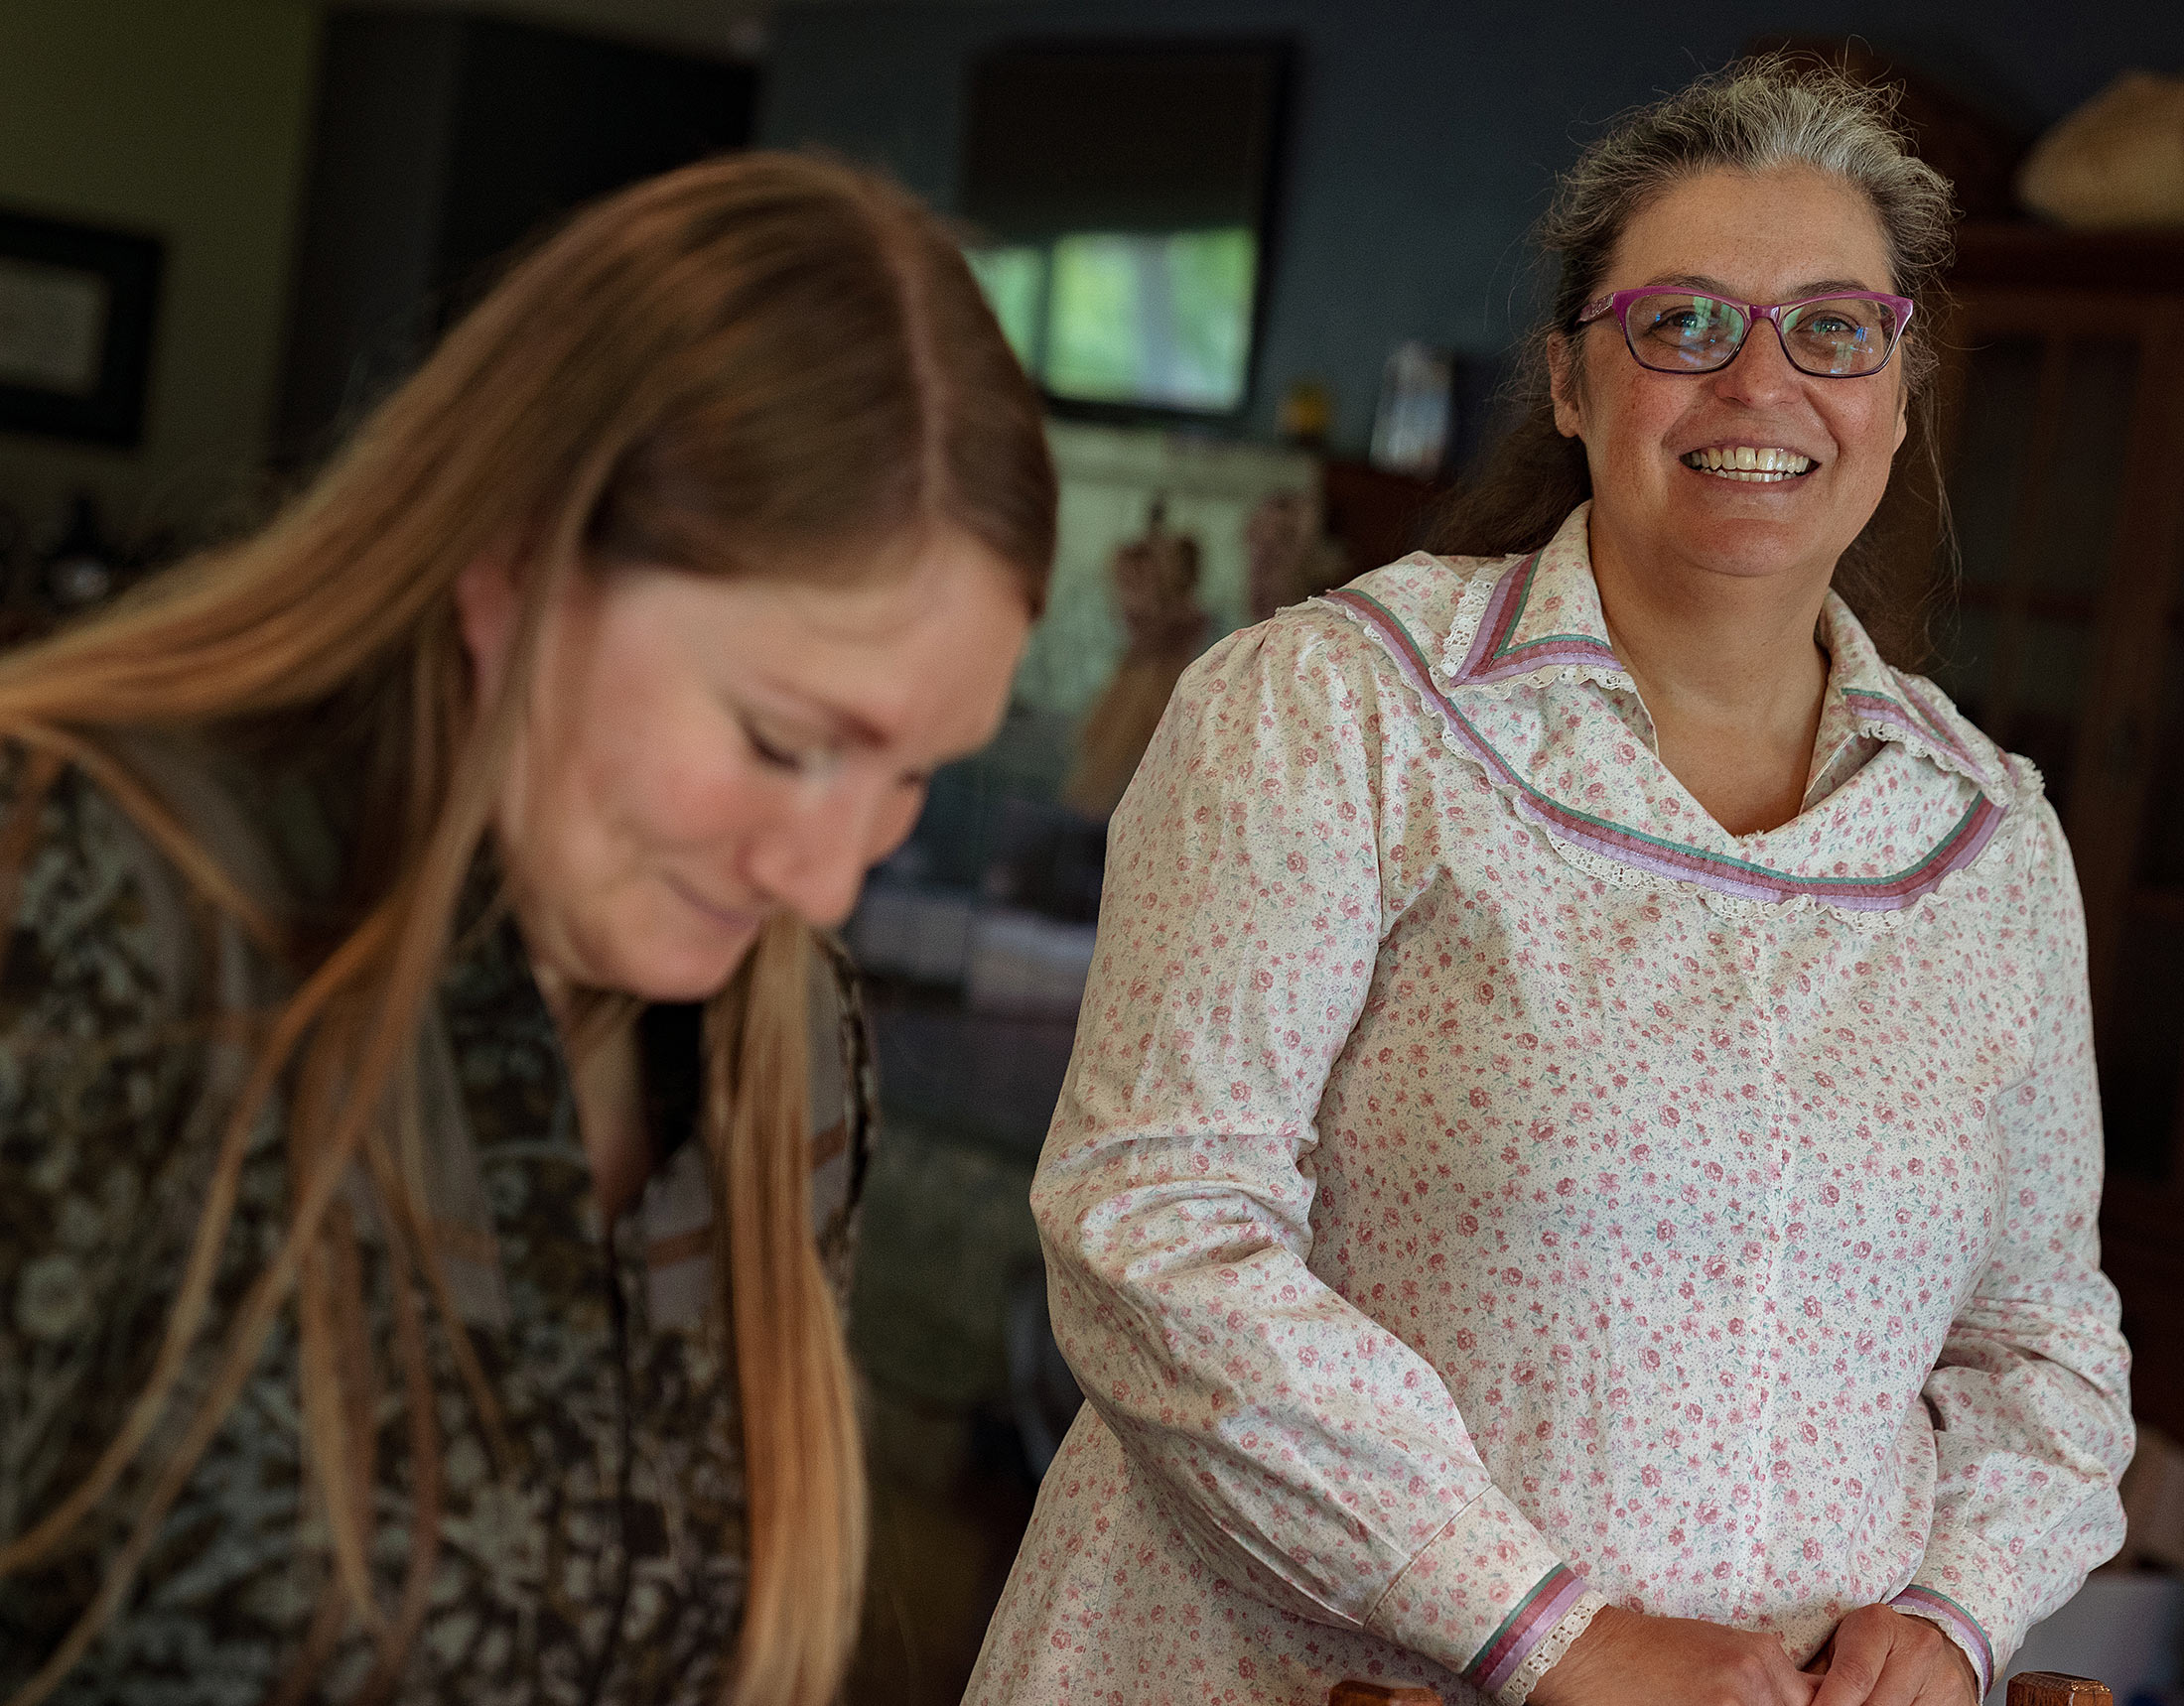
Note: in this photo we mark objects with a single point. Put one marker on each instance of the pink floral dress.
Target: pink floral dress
(1486, 1189)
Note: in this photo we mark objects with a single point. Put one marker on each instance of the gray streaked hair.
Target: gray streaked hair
(1757, 116)
(1754, 116)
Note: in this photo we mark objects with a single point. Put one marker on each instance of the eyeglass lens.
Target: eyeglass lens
(1680, 333)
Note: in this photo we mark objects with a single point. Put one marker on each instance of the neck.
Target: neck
(1729, 672)
(1719, 649)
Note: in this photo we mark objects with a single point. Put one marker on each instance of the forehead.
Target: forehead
(1767, 233)
(913, 649)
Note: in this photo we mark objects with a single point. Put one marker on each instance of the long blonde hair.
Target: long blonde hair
(763, 364)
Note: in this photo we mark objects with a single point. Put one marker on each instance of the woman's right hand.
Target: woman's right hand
(1624, 1659)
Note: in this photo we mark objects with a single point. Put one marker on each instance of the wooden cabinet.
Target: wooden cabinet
(2062, 423)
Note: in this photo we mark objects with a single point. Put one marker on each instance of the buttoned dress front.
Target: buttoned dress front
(1484, 1186)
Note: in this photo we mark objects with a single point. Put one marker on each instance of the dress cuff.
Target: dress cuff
(1957, 1624)
(1558, 1641)
(1482, 1596)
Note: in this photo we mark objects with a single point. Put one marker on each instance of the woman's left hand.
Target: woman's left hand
(1879, 1656)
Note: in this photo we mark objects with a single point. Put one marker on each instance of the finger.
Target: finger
(1905, 1679)
(1905, 1672)
(1796, 1688)
(1856, 1657)
(1792, 1687)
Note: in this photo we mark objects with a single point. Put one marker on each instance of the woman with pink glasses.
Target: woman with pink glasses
(1578, 1178)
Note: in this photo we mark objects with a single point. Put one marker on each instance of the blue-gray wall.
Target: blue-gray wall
(1423, 132)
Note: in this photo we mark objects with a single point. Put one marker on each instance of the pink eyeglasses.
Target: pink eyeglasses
(1845, 336)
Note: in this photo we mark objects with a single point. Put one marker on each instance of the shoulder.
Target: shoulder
(1431, 597)
(2036, 858)
(1324, 659)
(2012, 779)
(100, 932)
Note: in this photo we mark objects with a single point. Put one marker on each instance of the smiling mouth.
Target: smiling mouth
(1756, 464)
(731, 918)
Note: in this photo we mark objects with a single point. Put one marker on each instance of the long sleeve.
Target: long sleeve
(2029, 1401)
(1308, 1452)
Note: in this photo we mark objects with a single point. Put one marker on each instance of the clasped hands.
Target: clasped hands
(1877, 1656)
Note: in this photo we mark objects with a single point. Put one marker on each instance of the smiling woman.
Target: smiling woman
(1577, 1181)
(427, 1159)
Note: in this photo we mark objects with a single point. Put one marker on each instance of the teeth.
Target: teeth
(1763, 464)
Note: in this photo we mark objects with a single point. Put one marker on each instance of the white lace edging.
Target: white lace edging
(1544, 1657)
(1472, 599)
(2001, 848)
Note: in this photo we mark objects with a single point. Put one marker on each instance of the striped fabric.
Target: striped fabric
(1497, 653)
(1655, 855)
(1524, 1629)
(1957, 1623)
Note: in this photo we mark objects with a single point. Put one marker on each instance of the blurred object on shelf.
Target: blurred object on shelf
(1026, 966)
(1155, 580)
(1109, 478)
(2117, 161)
(1307, 410)
(1975, 150)
(84, 566)
(1289, 557)
(1410, 430)
(1377, 516)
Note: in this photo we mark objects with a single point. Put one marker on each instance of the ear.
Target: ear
(1565, 386)
(486, 606)
(1903, 415)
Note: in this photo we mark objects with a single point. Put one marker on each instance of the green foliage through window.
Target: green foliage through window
(1116, 317)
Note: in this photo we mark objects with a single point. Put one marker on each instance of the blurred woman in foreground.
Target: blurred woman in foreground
(424, 1143)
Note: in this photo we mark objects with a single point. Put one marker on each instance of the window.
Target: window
(1121, 189)
(1114, 317)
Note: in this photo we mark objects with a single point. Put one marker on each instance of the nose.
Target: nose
(813, 859)
(1762, 371)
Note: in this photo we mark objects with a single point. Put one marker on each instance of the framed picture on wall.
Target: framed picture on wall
(78, 305)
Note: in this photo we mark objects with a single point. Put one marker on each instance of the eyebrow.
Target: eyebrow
(1799, 293)
(838, 719)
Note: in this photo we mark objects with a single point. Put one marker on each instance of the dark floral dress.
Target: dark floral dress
(606, 1561)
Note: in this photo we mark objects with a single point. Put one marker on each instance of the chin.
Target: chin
(654, 960)
(1750, 548)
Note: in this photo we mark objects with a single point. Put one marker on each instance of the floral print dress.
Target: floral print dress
(1486, 1189)
(603, 1562)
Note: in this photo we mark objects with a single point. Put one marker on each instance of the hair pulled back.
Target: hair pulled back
(1754, 116)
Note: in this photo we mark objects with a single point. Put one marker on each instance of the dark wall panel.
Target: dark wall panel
(1422, 133)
